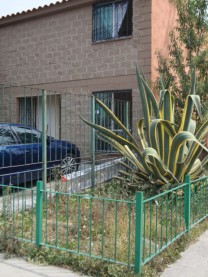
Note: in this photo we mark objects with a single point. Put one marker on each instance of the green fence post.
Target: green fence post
(4, 195)
(39, 212)
(44, 138)
(187, 200)
(93, 142)
(139, 234)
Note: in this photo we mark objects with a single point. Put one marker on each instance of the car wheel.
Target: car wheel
(68, 165)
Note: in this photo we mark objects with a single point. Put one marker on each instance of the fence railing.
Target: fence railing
(130, 233)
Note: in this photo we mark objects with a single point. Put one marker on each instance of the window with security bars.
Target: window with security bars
(112, 20)
(120, 103)
(27, 111)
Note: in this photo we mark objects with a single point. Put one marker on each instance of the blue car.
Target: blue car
(21, 154)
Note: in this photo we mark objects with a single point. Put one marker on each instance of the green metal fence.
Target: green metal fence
(130, 233)
(81, 224)
(55, 212)
(198, 201)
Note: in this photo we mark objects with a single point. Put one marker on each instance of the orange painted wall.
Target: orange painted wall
(164, 17)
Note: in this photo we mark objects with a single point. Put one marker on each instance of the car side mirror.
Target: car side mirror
(49, 140)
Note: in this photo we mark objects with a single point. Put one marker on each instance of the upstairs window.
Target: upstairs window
(112, 20)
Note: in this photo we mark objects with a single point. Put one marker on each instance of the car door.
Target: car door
(11, 156)
(30, 144)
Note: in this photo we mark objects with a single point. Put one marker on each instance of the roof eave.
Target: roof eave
(44, 11)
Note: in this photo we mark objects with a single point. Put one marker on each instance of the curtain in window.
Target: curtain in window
(112, 20)
(103, 22)
(120, 13)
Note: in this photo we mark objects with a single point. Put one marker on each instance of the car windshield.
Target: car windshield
(6, 136)
(27, 135)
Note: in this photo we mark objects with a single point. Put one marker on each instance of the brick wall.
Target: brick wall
(58, 48)
(56, 52)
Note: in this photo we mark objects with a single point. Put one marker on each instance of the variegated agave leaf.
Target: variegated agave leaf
(167, 153)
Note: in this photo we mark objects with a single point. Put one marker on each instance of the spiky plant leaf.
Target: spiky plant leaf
(168, 153)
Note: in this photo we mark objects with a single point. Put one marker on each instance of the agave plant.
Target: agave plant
(163, 153)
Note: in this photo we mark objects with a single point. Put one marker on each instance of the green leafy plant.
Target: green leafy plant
(168, 152)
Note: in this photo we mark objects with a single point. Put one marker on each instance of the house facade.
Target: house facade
(84, 47)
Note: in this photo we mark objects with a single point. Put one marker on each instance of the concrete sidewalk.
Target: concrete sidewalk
(20, 268)
(193, 261)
